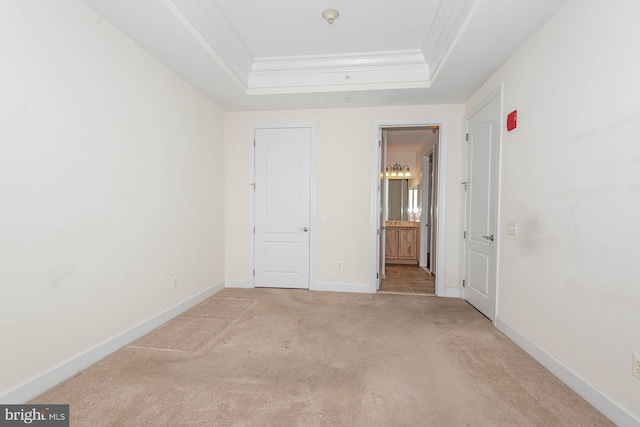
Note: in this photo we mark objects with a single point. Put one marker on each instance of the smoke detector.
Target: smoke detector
(330, 15)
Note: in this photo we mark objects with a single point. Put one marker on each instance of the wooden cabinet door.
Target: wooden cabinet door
(391, 243)
(408, 243)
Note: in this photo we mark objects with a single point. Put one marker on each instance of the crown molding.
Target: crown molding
(321, 73)
(360, 61)
(449, 22)
(207, 23)
(381, 69)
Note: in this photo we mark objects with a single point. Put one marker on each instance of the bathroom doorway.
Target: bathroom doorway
(408, 209)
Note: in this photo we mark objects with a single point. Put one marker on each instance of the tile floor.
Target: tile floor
(407, 279)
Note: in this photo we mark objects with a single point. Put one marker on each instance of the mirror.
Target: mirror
(397, 202)
(402, 201)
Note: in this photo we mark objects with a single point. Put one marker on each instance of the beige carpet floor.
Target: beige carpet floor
(272, 357)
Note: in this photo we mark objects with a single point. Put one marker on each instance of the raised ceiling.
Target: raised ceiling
(252, 55)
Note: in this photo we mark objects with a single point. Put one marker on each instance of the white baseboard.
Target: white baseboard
(69, 368)
(238, 284)
(331, 287)
(588, 391)
(341, 287)
(450, 293)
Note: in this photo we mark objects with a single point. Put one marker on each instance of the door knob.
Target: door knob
(305, 229)
(488, 237)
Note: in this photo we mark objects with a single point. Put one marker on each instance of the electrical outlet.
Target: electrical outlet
(174, 282)
(339, 265)
(636, 365)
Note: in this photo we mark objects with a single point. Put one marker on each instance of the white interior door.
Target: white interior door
(282, 207)
(434, 221)
(425, 209)
(431, 214)
(382, 196)
(481, 207)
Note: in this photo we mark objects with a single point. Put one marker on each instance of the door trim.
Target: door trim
(312, 196)
(441, 205)
(497, 92)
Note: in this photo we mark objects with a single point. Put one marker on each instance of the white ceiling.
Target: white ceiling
(410, 139)
(257, 55)
(294, 27)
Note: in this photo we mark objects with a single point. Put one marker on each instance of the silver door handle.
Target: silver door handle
(488, 237)
(305, 229)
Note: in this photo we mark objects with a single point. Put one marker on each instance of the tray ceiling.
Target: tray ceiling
(282, 54)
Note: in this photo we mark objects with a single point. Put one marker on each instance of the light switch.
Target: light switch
(512, 228)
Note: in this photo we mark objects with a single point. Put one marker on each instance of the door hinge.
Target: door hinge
(463, 283)
(254, 230)
(254, 273)
(379, 143)
(466, 137)
(254, 142)
(378, 231)
(377, 275)
(464, 234)
(466, 184)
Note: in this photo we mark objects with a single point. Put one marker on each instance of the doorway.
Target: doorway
(407, 186)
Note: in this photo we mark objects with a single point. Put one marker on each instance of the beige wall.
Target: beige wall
(344, 163)
(568, 282)
(111, 172)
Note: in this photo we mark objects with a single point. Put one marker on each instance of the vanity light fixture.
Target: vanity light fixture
(398, 170)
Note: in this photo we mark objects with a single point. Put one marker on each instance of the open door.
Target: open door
(426, 235)
(382, 197)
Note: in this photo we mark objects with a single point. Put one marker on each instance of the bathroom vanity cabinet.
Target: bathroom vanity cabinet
(401, 242)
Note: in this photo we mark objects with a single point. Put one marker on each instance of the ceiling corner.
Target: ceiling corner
(207, 24)
(449, 22)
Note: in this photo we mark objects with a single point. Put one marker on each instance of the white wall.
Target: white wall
(343, 187)
(111, 182)
(568, 282)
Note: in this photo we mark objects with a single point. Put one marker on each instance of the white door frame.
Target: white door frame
(312, 197)
(442, 185)
(496, 93)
